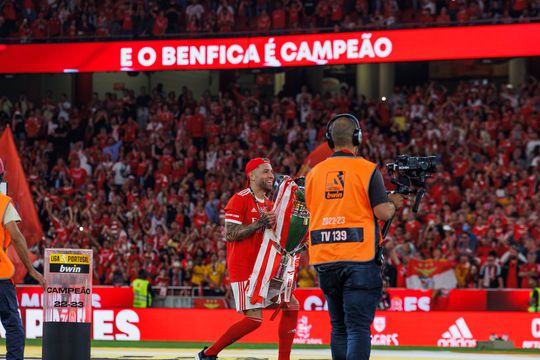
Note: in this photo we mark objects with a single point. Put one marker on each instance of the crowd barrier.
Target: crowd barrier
(313, 299)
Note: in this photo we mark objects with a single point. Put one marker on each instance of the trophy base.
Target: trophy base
(66, 341)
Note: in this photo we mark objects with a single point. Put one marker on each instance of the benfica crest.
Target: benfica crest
(379, 323)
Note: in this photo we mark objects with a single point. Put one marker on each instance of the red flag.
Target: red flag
(430, 273)
(20, 192)
(320, 153)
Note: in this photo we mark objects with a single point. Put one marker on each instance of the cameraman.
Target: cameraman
(345, 195)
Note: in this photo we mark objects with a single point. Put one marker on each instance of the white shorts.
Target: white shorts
(241, 299)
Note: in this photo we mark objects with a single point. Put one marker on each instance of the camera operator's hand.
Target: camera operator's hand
(397, 199)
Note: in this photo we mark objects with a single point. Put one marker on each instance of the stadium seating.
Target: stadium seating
(33, 20)
(143, 179)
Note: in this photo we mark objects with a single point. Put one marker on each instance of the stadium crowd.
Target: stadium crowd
(143, 178)
(44, 19)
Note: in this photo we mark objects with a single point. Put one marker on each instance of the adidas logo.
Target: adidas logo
(253, 210)
(458, 335)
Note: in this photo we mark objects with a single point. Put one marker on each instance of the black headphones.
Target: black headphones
(356, 136)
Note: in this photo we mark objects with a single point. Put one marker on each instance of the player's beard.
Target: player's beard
(264, 186)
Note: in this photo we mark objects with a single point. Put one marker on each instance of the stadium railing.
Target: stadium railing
(255, 33)
(180, 296)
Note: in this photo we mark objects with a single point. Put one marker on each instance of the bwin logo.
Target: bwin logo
(70, 269)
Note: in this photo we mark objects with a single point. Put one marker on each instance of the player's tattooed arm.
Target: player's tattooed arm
(237, 232)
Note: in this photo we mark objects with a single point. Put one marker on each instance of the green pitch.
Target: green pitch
(199, 345)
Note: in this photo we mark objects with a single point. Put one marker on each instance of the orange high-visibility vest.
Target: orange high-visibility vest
(6, 266)
(342, 226)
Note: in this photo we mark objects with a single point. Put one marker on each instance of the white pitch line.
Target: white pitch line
(320, 353)
(418, 354)
(272, 353)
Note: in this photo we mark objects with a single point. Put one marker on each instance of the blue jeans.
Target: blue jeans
(352, 291)
(9, 315)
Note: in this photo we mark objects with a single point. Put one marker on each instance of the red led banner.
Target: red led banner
(277, 51)
(442, 329)
(102, 296)
(422, 300)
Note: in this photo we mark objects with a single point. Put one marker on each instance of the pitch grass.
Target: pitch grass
(199, 345)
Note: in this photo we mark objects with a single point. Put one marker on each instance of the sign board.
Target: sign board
(459, 42)
(68, 295)
(67, 304)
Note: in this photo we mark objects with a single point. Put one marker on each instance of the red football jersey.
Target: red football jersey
(241, 255)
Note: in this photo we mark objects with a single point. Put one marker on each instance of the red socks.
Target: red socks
(287, 329)
(235, 333)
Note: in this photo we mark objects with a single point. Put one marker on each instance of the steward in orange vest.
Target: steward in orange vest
(7, 270)
(9, 314)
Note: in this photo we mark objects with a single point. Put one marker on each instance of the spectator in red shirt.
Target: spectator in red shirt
(461, 166)
(195, 125)
(511, 262)
(200, 218)
(279, 17)
(443, 17)
(337, 12)
(77, 174)
(39, 27)
(413, 227)
(33, 124)
(480, 228)
(426, 16)
(72, 30)
(10, 16)
(462, 15)
(264, 22)
(160, 24)
(127, 21)
(161, 181)
(162, 281)
(322, 11)
(530, 269)
(294, 11)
